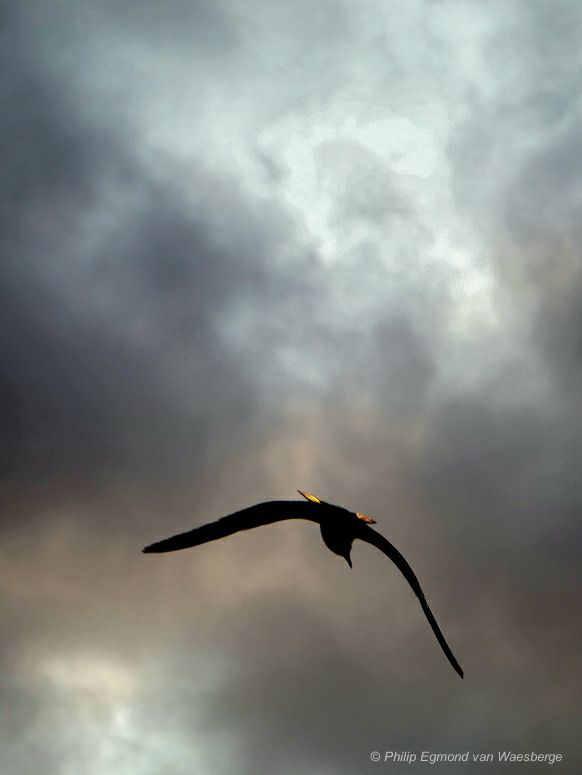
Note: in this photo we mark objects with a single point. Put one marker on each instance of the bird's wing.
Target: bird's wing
(254, 516)
(366, 533)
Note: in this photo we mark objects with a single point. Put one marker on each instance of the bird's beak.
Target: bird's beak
(364, 518)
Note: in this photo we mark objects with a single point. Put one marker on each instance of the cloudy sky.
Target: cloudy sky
(253, 246)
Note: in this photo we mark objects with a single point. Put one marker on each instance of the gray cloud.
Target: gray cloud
(389, 317)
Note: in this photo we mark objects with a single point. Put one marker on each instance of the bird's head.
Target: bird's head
(314, 499)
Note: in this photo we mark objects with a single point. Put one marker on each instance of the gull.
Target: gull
(339, 529)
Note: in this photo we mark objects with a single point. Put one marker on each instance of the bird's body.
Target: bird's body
(339, 529)
(339, 538)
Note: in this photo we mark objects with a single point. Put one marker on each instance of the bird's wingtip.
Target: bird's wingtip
(458, 669)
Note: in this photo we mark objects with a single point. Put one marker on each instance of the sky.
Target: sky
(250, 247)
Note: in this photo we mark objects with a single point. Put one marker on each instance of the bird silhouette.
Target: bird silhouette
(339, 529)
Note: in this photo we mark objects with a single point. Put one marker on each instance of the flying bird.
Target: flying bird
(339, 529)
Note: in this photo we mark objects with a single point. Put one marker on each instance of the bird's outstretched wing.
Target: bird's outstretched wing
(368, 534)
(254, 516)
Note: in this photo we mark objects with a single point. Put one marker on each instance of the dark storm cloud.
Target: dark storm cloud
(112, 287)
(173, 346)
(46, 162)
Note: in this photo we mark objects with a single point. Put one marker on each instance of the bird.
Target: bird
(339, 527)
